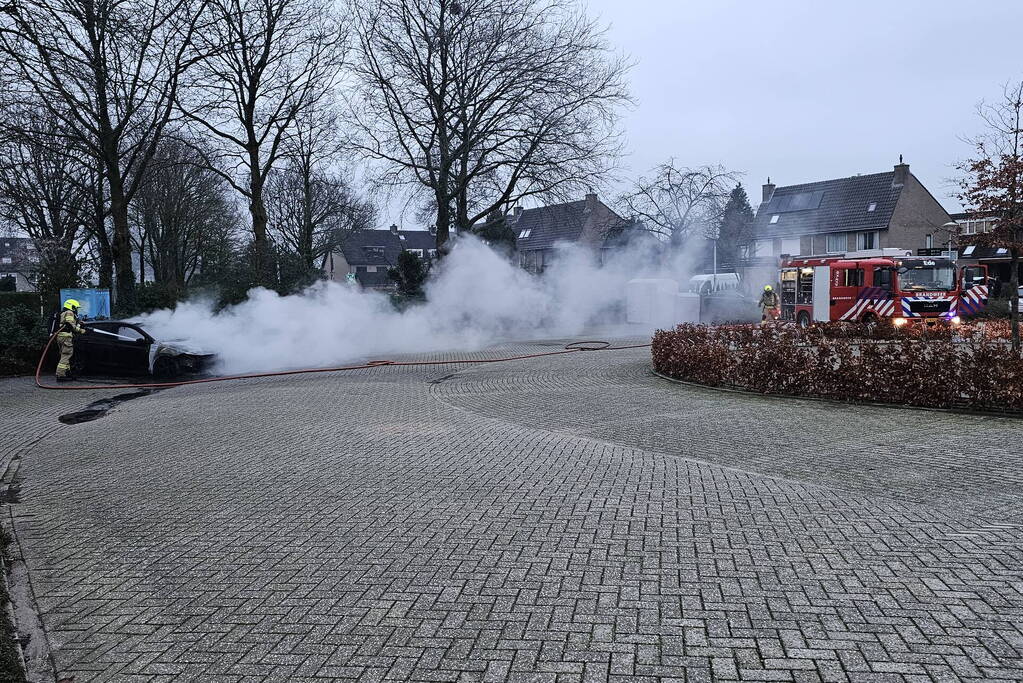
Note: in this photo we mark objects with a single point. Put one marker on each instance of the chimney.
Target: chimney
(394, 229)
(768, 190)
(901, 173)
(591, 201)
(513, 216)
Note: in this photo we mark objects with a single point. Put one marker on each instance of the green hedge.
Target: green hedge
(12, 299)
(966, 367)
(23, 336)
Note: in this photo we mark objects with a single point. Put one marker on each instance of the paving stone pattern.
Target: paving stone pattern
(562, 519)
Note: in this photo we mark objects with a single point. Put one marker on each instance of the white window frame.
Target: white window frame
(843, 241)
(872, 206)
(417, 252)
(774, 218)
(861, 240)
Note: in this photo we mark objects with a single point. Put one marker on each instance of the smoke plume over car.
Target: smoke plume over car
(476, 298)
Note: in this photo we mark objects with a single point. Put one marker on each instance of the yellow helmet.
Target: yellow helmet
(71, 303)
(768, 288)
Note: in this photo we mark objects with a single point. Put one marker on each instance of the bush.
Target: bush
(965, 367)
(27, 299)
(22, 338)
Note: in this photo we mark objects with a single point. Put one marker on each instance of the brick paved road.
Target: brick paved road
(561, 519)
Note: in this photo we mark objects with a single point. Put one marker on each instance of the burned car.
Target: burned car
(114, 347)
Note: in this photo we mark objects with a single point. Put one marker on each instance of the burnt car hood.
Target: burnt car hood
(177, 347)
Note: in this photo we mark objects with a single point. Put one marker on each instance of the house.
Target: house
(542, 231)
(863, 212)
(997, 259)
(369, 254)
(18, 264)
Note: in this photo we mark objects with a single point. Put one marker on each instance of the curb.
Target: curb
(834, 401)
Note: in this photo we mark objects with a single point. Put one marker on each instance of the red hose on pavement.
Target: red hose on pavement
(573, 347)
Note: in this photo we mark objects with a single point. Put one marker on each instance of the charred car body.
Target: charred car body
(114, 347)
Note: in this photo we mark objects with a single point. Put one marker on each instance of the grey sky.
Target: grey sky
(805, 91)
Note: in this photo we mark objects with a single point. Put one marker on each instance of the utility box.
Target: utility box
(687, 308)
(652, 301)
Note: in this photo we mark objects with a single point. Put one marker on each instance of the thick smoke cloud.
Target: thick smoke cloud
(478, 298)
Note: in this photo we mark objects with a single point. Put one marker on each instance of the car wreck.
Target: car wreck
(115, 347)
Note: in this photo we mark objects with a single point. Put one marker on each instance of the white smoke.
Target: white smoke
(478, 298)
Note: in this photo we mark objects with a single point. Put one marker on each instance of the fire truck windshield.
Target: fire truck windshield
(920, 278)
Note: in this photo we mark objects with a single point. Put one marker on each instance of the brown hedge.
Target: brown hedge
(941, 367)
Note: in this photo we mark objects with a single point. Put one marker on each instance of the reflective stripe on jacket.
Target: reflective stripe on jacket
(69, 323)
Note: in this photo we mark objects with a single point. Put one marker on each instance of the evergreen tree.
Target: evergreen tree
(736, 226)
(497, 233)
(410, 274)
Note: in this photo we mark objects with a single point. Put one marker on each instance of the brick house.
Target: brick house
(540, 232)
(369, 254)
(863, 212)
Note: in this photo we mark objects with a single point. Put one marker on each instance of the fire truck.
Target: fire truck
(867, 286)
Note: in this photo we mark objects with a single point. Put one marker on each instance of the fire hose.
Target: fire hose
(573, 347)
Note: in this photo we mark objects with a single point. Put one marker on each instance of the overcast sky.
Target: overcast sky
(805, 91)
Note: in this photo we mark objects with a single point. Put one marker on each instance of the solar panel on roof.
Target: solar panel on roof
(802, 201)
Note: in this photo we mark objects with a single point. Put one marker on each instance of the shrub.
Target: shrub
(968, 367)
(29, 300)
(22, 338)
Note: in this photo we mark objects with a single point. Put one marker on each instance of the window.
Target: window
(871, 206)
(433, 253)
(5, 259)
(968, 251)
(762, 248)
(774, 218)
(836, 243)
(867, 240)
(373, 252)
(523, 234)
(790, 246)
(417, 252)
(883, 278)
(853, 277)
(130, 332)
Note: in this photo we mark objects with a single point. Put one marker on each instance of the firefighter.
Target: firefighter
(67, 327)
(769, 304)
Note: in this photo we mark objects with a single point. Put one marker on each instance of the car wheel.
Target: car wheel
(165, 368)
(803, 319)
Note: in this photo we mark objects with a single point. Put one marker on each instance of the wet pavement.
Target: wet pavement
(566, 518)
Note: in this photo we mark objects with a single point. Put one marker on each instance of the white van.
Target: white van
(706, 284)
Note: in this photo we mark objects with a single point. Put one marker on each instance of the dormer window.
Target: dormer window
(871, 206)
(525, 233)
(774, 218)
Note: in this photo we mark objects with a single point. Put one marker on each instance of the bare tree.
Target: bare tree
(42, 194)
(677, 203)
(481, 103)
(266, 63)
(109, 71)
(992, 184)
(182, 210)
(310, 212)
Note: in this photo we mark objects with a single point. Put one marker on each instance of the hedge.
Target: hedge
(22, 338)
(13, 299)
(971, 367)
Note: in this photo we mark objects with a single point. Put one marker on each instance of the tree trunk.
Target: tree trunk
(1014, 298)
(257, 209)
(121, 248)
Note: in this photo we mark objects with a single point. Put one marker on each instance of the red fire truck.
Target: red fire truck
(888, 283)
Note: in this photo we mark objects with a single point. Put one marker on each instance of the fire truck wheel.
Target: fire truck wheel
(803, 319)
